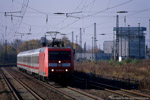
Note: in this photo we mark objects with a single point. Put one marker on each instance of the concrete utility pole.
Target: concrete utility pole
(125, 21)
(149, 35)
(95, 40)
(76, 41)
(81, 42)
(92, 48)
(139, 40)
(117, 38)
(121, 42)
(114, 46)
(128, 41)
(5, 51)
(84, 48)
(72, 39)
(27, 45)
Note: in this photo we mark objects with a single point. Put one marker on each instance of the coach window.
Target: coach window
(28, 59)
(24, 59)
(21, 59)
(35, 59)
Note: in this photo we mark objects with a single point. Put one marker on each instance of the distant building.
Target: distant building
(88, 56)
(103, 56)
(108, 47)
(96, 56)
(131, 42)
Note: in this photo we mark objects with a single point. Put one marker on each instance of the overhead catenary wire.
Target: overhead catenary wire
(108, 8)
(83, 17)
(141, 11)
(60, 22)
(70, 23)
(99, 12)
(23, 10)
(136, 12)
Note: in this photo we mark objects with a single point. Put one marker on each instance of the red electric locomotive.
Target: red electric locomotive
(47, 62)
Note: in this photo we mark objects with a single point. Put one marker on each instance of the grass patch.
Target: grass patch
(132, 69)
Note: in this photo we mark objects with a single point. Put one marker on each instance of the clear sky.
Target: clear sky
(39, 17)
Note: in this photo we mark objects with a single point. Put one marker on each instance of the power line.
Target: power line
(23, 10)
(32, 8)
(99, 12)
(108, 4)
(147, 9)
(108, 8)
(78, 5)
(77, 20)
(66, 26)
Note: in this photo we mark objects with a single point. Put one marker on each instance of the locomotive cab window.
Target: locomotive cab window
(59, 55)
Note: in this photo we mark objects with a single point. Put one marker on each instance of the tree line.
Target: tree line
(9, 51)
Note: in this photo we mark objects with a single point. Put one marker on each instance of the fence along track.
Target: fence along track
(10, 86)
(26, 87)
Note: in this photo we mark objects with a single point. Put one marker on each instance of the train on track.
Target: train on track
(48, 62)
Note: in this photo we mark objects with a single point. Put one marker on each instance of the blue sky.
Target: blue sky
(102, 12)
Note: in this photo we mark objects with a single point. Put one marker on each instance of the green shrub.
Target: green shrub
(129, 61)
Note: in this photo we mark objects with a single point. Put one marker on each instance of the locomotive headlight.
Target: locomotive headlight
(52, 70)
(66, 70)
(59, 61)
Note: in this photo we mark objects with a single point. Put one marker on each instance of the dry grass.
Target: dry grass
(128, 69)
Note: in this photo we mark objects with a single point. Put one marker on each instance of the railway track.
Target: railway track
(72, 93)
(16, 93)
(75, 94)
(13, 91)
(128, 94)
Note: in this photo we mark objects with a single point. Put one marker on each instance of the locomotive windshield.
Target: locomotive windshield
(59, 55)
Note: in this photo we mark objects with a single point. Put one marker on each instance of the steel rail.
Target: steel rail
(133, 92)
(27, 87)
(10, 86)
(65, 93)
(51, 87)
(96, 84)
(124, 90)
(84, 93)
